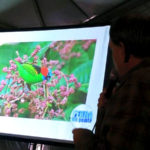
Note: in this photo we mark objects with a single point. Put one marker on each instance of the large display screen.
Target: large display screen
(50, 81)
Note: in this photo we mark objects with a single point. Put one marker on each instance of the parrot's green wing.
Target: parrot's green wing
(29, 73)
(30, 69)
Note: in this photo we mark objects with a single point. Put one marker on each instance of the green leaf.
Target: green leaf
(52, 55)
(82, 73)
(2, 102)
(91, 50)
(26, 112)
(69, 110)
(44, 49)
(74, 62)
(74, 100)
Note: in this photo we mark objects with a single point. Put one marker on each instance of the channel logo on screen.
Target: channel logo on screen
(82, 116)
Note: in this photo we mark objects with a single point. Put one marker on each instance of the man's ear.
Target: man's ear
(124, 52)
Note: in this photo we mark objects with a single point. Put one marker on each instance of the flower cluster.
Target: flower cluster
(87, 44)
(64, 48)
(36, 50)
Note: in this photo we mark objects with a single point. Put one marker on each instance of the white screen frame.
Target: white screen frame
(18, 125)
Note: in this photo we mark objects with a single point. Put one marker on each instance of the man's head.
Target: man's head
(130, 41)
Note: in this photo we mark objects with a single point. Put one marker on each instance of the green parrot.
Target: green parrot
(33, 74)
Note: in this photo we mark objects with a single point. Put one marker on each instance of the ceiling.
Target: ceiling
(20, 14)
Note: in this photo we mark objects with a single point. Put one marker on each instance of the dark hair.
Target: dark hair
(133, 32)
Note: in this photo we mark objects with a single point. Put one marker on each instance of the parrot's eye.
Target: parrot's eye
(47, 77)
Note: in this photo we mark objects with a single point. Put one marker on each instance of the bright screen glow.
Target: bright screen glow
(50, 81)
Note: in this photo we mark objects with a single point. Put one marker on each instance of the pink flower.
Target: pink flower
(64, 57)
(10, 97)
(57, 72)
(44, 61)
(3, 82)
(11, 62)
(8, 76)
(55, 81)
(19, 80)
(36, 51)
(22, 100)
(19, 59)
(77, 85)
(87, 44)
(53, 62)
(59, 111)
(52, 45)
(48, 84)
(33, 54)
(13, 67)
(14, 86)
(50, 99)
(21, 110)
(36, 58)
(59, 67)
(44, 82)
(63, 102)
(43, 104)
(59, 77)
(67, 48)
(25, 57)
(52, 112)
(78, 54)
(65, 93)
(72, 78)
(14, 110)
(62, 88)
(14, 105)
(74, 54)
(37, 117)
(58, 46)
(38, 47)
(7, 111)
(5, 69)
(36, 100)
(40, 91)
(51, 85)
(71, 90)
(58, 100)
(5, 96)
(55, 93)
(15, 115)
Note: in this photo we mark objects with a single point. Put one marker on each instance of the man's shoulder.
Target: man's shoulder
(140, 74)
